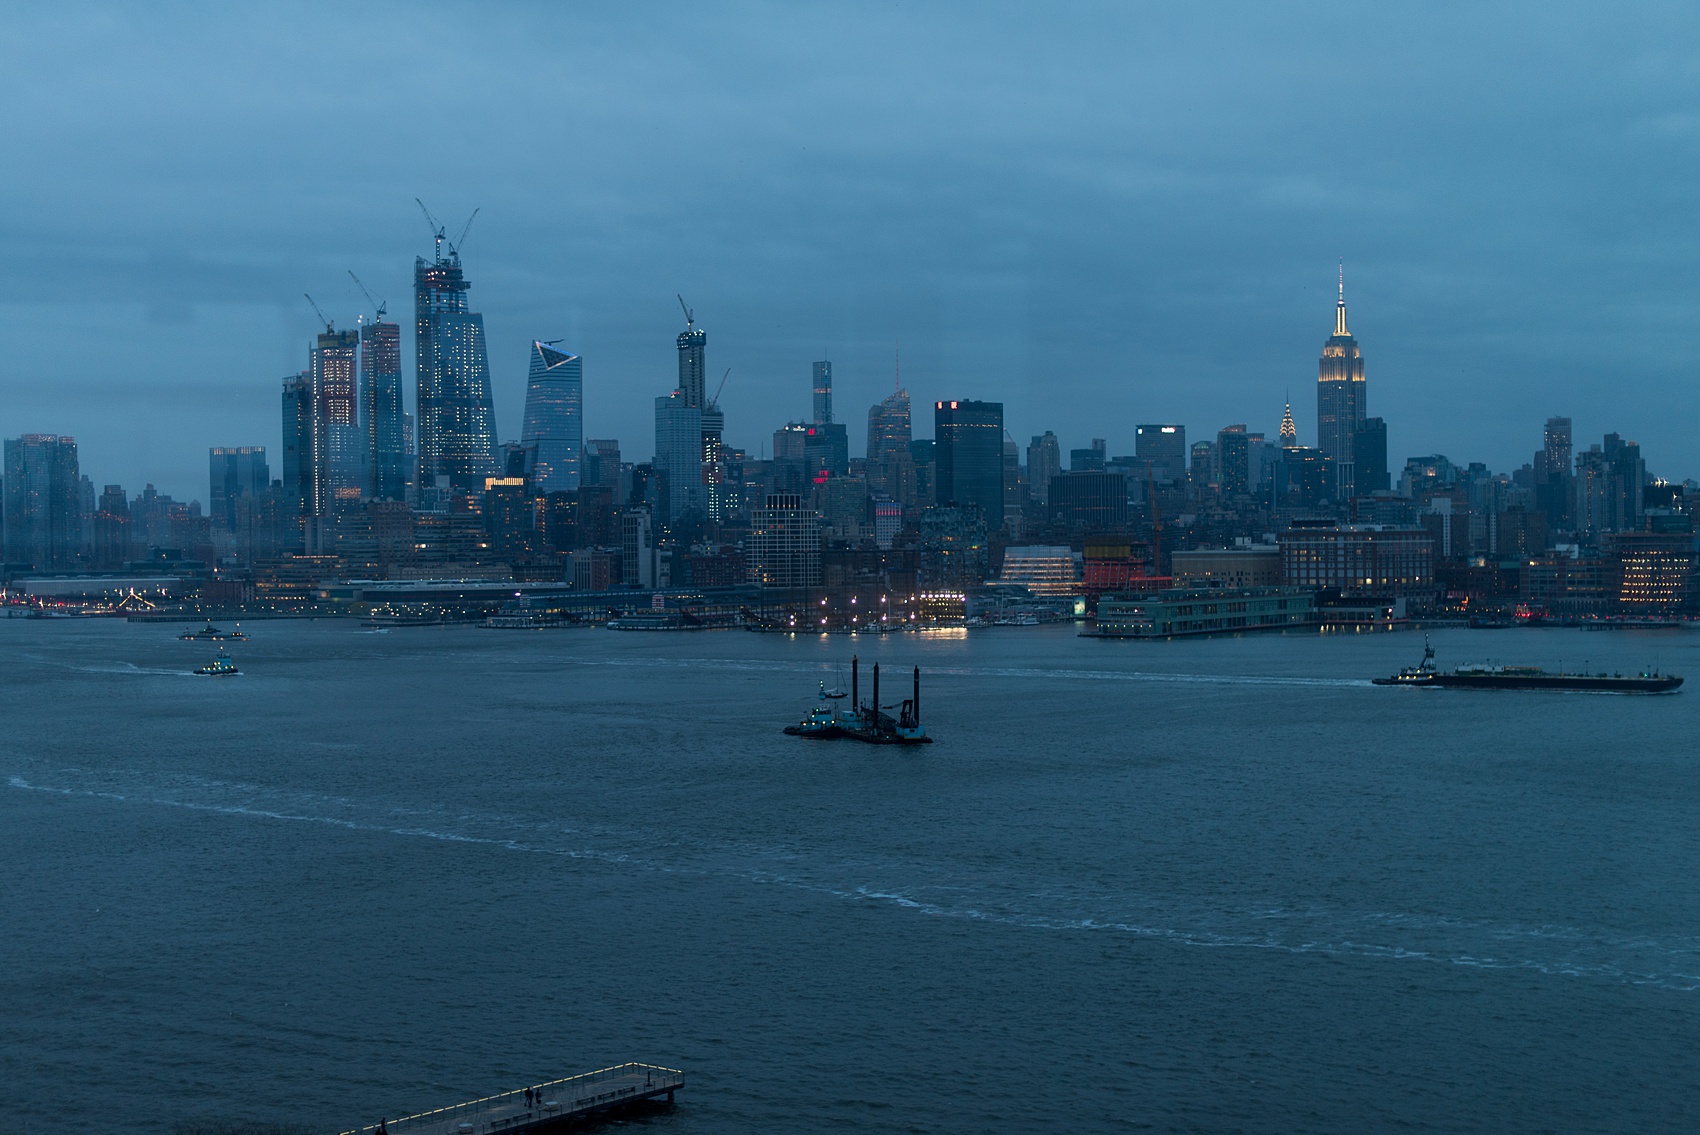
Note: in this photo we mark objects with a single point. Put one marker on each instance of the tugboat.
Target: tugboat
(1427, 676)
(237, 635)
(218, 667)
(825, 721)
(208, 633)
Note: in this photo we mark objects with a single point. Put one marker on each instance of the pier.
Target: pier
(556, 1105)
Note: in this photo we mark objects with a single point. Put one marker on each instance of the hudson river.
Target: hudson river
(1216, 885)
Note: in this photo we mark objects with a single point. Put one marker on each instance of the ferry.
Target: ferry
(1483, 677)
(218, 667)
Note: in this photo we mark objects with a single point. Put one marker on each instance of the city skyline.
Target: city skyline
(1093, 242)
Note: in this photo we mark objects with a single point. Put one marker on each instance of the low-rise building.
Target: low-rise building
(1359, 560)
(1202, 611)
(1254, 565)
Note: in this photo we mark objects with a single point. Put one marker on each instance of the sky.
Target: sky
(1100, 215)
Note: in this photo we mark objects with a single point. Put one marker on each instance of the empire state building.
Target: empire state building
(1340, 400)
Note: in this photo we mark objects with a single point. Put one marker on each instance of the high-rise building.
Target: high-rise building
(678, 456)
(383, 422)
(1233, 460)
(714, 463)
(1340, 399)
(826, 450)
(1289, 429)
(1044, 461)
(457, 421)
(968, 439)
(693, 362)
(891, 468)
(1162, 449)
(784, 543)
(1369, 455)
(1556, 444)
(234, 472)
(43, 497)
(298, 448)
(823, 392)
(337, 450)
(554, 418)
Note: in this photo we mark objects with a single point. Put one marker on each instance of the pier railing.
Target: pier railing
(586, 1092)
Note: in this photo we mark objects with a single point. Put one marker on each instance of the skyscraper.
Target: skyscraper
(337, 448)
(43, 522)
(383, 422)
(968, 450)
(1289, 430)
(457, 428)
(1369, 455)
(1233, 460)
(678, 456)
(693, 350)
(823, 392)
(1340, 399)
(1162, 449)
(890, 466)
(1044, 461)
(554, 418)
(298, 448)
(235, 472)
(1556, 443)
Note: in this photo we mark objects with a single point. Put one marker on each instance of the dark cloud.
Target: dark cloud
(1109, 215)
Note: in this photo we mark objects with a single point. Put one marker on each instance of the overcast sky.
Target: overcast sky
(1099, 215)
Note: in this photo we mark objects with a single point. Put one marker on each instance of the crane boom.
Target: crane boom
(461, 239)
(328, 326)
(436, 229)
(381, 306)
(690, 316)
(715, 401)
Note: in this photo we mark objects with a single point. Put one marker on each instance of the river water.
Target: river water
(1213, 885)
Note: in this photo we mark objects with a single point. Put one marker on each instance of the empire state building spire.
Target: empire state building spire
(1340, 308)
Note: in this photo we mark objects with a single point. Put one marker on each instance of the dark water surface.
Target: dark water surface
(1218, 885)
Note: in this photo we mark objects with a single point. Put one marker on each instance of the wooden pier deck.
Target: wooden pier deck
(556, 1105)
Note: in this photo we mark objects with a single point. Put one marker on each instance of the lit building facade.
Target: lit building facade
(1042, 569)
(679, 457)
(823, 391)
(1179, 612)
(338, 455)
(891, 469)
(554, 418)
(234, 472)
(43, 521)
(1340, 400)
(457, 426)
(1359, 560)
(1044, 461)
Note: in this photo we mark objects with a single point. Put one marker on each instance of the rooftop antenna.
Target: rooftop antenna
(382, 306)
(898, 363)
(461, 239)
(436, 229)
(328, 327)
(690, 316)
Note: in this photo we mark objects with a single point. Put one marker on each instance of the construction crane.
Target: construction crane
(382, 306)
(328, 325)
(690, 316)
(436, 229)
(461, 239)
(715, 401)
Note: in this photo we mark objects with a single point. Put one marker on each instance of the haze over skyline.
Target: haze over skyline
(1099, 217)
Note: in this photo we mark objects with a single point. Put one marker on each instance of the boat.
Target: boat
(1484, 677)
(870, 723)
(237, 635)
(218, 667)
(825, 721)
(208, 633)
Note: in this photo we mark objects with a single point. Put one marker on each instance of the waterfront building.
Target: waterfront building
(1114, 562)
(457, 426)
(1654, 572)
(1178, 612)
(1566, 586)
(1162, 449)
(1043, 569)
(1340, 400)
(383, 422)
(1246, 565)
(968, 439)
(784, 546)
(43, 499)
(891, 468)
(554, 417)
(337, 453)
(1359, 560)
(1044, 461)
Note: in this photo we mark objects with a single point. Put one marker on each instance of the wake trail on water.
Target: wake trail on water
(1557, 951)
(1033, 672)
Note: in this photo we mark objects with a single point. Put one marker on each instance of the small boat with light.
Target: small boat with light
(825, 721)
(219, 667)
